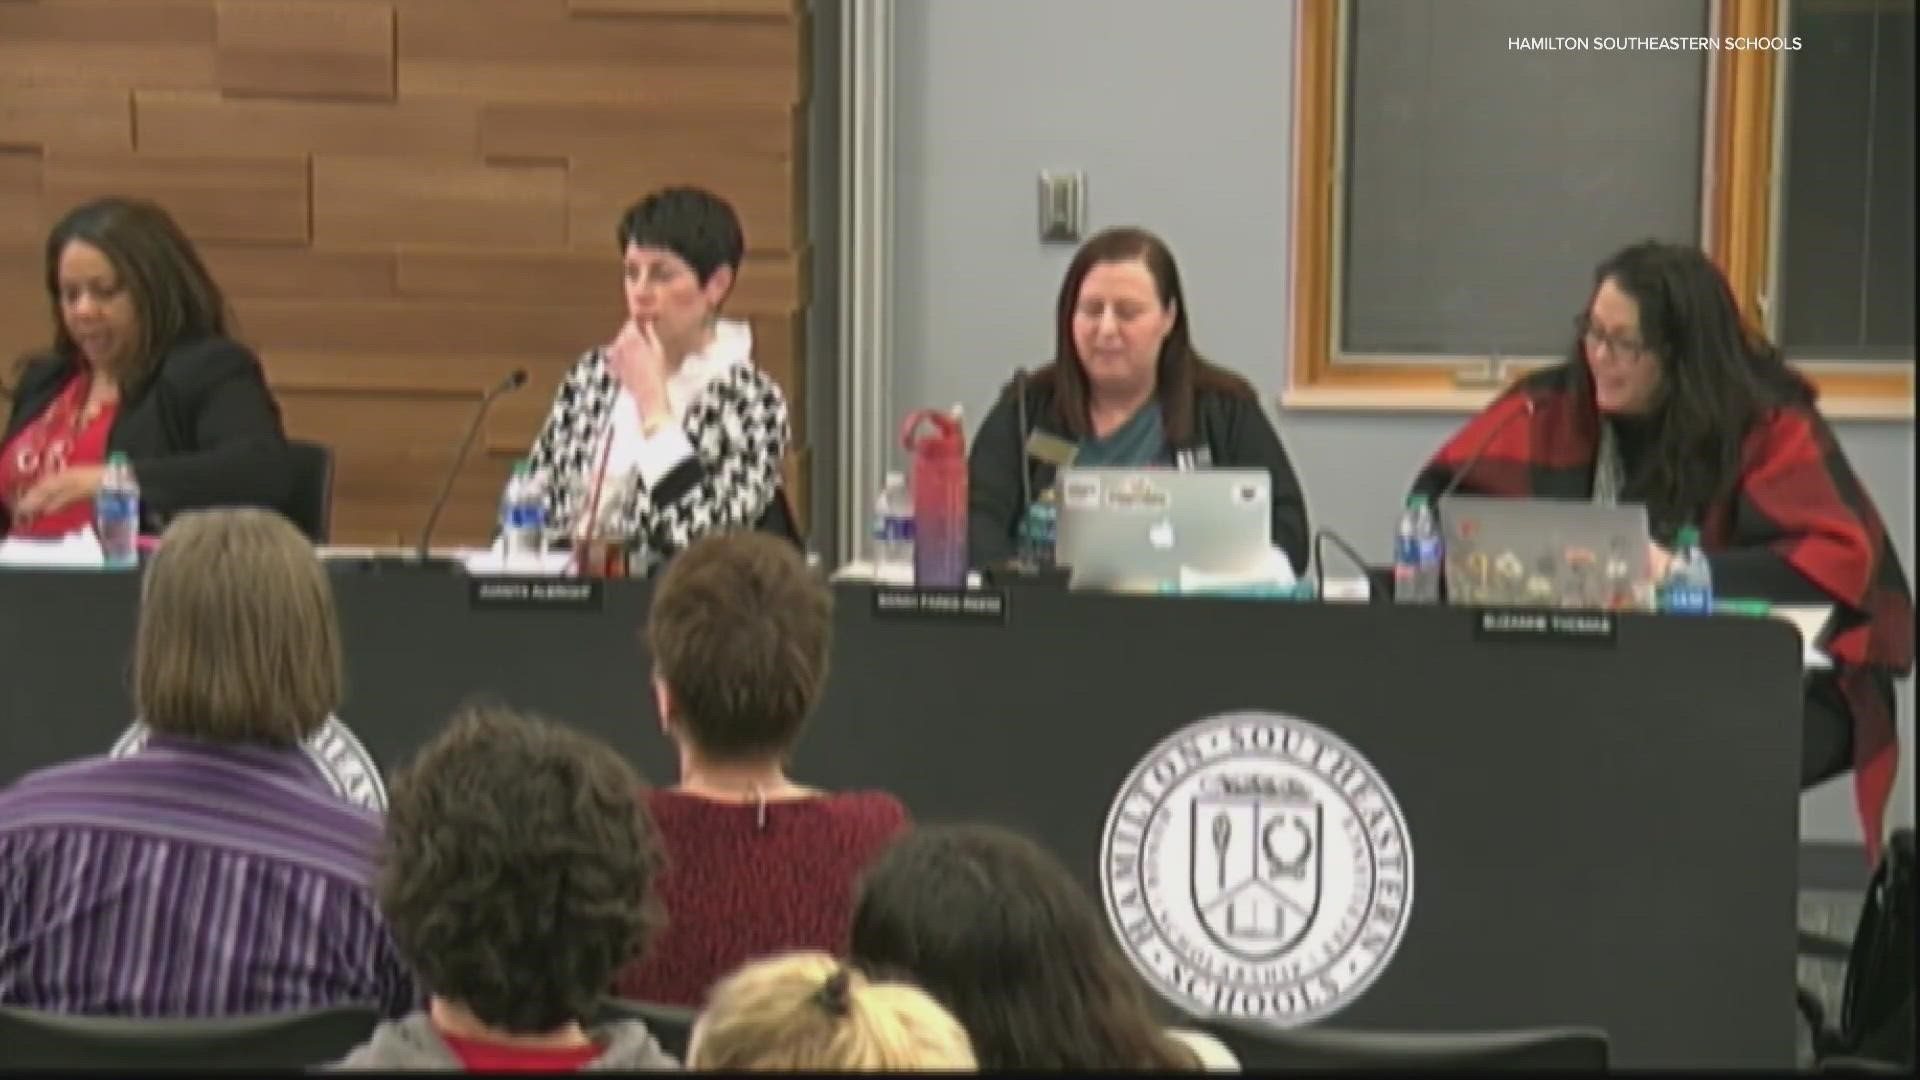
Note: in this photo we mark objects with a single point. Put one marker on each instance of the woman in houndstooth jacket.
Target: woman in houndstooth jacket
(670, 432)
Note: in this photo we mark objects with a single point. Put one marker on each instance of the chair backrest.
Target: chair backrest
(310, 505)
(42, 1040)
(780, 520)
(671, 1024)
(1261, 1047)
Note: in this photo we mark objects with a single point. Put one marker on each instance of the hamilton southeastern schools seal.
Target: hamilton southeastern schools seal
(334, 749)
(1254, 865)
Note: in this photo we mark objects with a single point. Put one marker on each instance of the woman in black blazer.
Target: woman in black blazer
(141, 364)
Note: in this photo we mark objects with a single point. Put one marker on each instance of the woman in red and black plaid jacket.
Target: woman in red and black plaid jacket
(1669, 399)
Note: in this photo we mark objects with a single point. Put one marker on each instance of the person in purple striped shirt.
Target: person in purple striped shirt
(215, 872)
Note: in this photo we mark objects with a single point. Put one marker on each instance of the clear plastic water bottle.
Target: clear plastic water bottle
(1430, 553)
(1687, 587)
(893, 529)
(523, 512)
(1416, 554)
(116, 513)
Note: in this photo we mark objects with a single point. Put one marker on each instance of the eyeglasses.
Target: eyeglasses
(1624, 347)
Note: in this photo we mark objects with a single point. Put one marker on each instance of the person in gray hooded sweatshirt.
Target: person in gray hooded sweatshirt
(518, 874)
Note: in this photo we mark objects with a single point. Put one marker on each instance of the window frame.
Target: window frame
(1741, 192)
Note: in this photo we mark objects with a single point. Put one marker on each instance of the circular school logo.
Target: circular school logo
(1254, 865)
(334, 749)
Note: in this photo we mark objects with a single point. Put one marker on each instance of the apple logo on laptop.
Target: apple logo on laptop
(1160, 535)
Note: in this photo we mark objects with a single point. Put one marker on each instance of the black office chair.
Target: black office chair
(1261, 1047)
(288, 1040)
(671, 1024)
(310, 505)
(780, 520)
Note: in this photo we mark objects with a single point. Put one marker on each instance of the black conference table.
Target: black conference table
(1604, 830)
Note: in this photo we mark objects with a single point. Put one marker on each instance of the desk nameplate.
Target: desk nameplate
(952, 605)
(1546, 626)
(535, 593)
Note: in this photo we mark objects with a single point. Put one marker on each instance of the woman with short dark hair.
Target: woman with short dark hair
(999, 932)
(142, 364)
(669, 431)
(740, 630)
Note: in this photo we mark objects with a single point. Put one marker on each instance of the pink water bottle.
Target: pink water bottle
(939, 498)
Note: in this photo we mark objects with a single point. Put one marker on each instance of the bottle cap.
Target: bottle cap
(522, 467)
(895, 476)
(1689, 536)
(1416, 500)
(118, 457)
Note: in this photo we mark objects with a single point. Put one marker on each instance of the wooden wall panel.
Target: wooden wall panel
(102, 44)
(406, 199)
(20, 227)
(438, 202)
(538, 51)
(304, 48)
(674, 134)
(298, 272)
(80, 117)
(682, 7)
(214, 198)
(188, 122)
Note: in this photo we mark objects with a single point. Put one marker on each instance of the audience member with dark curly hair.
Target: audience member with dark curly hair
(740, 632)
(518, 873)
(999, 932)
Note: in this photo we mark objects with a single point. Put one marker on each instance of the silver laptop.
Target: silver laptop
(1549, 553)
(1136, 527)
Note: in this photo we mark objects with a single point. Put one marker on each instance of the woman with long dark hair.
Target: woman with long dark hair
(1126, 388)
(1668, 398)
(999, 932)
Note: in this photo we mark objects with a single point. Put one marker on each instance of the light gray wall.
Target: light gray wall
(1181, 117)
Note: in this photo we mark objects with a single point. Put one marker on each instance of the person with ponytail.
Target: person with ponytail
(808, 1011)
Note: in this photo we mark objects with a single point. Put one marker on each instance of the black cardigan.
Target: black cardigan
(201, 430)
(1231, 426)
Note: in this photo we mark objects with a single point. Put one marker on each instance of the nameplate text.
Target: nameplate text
(962, 605)
(522, 594)
(1522, 624)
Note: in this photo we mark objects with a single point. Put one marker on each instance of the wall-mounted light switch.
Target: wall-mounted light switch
(1063, 205)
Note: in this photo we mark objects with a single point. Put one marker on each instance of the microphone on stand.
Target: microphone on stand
(1480, 449)
(1379, 584)
(514, 380)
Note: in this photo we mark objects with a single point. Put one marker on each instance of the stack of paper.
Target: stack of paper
(77, 550)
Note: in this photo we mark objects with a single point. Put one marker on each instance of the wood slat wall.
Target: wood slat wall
(405, 199)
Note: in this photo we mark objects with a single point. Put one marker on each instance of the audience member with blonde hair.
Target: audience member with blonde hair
(214, 872)
(740, 630)
(808, 1011)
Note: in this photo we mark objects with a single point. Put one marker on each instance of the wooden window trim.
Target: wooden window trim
(1741, 170)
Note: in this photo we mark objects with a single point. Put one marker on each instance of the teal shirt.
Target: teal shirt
(1142, 440)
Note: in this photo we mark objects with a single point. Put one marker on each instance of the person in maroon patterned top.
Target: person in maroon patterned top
(740, 630)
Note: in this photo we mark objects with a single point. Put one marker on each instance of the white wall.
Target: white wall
(1180, 115)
